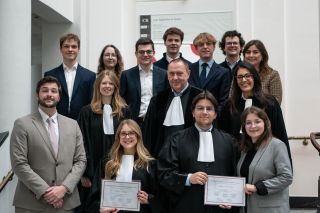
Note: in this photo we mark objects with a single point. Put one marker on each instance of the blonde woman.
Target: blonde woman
(128, 149)
(98, 123)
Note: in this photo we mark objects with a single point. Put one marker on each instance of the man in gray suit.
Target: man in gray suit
(47, 155)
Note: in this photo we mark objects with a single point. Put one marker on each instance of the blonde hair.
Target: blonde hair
(117, 103)
(204, 38)
(142, 156)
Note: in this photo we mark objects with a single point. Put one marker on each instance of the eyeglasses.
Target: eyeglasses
(230, 43)
(142, 52)
(125, 134)
(203, 108)
(246, 76)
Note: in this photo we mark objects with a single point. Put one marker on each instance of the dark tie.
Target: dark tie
(203, 74)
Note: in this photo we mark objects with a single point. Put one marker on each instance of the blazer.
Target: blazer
(81, 93)
(163, 62)
(271, 165)
(217, 82)
(130, 87)
(37, 168)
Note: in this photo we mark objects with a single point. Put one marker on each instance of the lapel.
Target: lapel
(195, 74)
(77, 81)
(136, 80)
(38, 123)
(62, 79)
(255, 161)
(155, 82)
(213, 72)
(62, 128)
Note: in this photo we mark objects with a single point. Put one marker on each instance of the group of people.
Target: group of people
(168, 124)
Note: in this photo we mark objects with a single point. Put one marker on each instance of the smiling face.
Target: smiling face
(106, 87)
(178, 76)
(204, 113)
(110, 59)
(205, 50)
(128, 139)
(145, 54)
(245, 81)
(232, 46)
(253, 56)
(254, 126)
(48, 96)
(173, 44)
(70, 50)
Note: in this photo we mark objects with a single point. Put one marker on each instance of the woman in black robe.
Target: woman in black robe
(128, 144)
(98, 122)
(246, 91)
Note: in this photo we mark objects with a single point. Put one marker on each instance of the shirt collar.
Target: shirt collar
(202, 130)
(146, 71)
(169, 59)
(181, 92)
(45, 117)
(232, 64)
(66, 68)
(210, 63)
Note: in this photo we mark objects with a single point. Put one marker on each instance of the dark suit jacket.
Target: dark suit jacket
(231, 71)
(130, 87)
(218, 82)
(163, 63)
(81, 94)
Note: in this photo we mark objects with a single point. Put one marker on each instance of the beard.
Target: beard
(44, 104)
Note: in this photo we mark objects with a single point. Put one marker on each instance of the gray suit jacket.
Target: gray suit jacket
(37, 168)
(272, 165)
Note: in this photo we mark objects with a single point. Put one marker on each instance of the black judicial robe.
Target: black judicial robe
(155, 132)
(178, 158)
(148, 184)
(231, 122)
(96, 143)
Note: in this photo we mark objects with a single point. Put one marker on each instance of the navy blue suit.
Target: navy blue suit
(163, 63)
(217, 82)
(130, 87)
(81, 94)
(225, 65)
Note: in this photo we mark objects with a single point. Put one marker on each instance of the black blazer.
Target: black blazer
(81, 94)
(218, 82)
(163, 63)
(130, 87)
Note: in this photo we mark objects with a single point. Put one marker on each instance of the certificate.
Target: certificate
(225, 190)
(120, 195)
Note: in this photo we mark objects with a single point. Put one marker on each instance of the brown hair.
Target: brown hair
(204, 38)
(119, 66)
(69, 36)
(173, 31)
(117, 103)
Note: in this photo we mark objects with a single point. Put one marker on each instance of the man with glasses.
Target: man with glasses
(192, 154)
(206, 73)
(139, 83)
(231, 45)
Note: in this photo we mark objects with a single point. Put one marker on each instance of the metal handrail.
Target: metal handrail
(303, 138)
(313, 137)
(3, 136)
(6, 180)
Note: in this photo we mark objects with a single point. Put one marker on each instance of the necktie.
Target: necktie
(203, 74)
(53, 136)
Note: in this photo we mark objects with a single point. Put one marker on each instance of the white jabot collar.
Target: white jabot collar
(206, 149)
(126, 168)
(174, 116)
(107, 120)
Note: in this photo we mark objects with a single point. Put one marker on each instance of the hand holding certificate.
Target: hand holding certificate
(120, 195)
(224, 190)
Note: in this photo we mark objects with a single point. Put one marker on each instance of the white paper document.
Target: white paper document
(120, 195)
(225, 190)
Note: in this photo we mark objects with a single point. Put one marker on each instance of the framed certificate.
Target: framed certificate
(120, 195)
(225, 190)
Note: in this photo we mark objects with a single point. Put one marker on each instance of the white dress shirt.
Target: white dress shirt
(70, 75)
(146, 89)
(45, 117)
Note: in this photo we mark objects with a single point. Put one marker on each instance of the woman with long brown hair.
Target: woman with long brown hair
(98, 123)
(110, 59)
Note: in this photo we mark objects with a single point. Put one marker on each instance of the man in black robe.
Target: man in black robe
(184, 163)
(155, 129)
